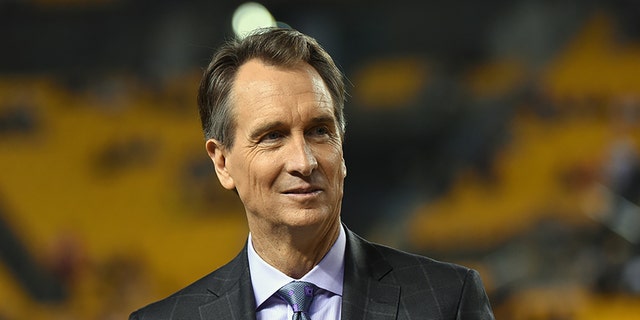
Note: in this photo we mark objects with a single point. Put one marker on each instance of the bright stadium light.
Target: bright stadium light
(250, 16)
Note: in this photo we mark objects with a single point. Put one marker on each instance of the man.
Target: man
(271, 106)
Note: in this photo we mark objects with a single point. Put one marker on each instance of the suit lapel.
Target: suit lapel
(369, 290)
(232, 286)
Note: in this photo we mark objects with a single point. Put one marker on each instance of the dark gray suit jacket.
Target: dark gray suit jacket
(379, 283)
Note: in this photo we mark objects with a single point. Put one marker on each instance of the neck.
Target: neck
(295, 250)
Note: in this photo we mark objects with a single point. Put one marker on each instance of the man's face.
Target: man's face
(286, 163)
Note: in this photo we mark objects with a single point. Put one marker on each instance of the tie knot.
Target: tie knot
(298, 294)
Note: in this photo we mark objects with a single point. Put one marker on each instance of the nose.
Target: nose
(301, 158)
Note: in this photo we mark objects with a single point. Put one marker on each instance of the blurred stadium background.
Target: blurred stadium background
(502, 135)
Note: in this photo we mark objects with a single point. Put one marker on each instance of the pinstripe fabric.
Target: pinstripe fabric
(379, 283)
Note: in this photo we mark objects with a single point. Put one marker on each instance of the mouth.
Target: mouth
(310, 190)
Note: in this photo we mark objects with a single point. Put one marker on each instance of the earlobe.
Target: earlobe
(220, 163)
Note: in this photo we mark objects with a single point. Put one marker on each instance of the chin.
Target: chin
(310, 217)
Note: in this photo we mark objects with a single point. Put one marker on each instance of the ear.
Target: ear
(218, 155)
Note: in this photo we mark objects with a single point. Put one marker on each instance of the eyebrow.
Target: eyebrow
(323, 120)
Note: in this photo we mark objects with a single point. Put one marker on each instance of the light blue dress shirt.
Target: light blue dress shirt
(327, 275)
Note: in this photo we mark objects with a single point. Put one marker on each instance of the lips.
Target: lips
(303, 190)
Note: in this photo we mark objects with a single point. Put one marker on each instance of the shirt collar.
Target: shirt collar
(327, 275)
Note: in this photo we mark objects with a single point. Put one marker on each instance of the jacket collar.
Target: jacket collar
(232, 287)
(369, 288)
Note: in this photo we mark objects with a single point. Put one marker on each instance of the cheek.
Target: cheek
(338, 169)
(243, 169)
(262, 171)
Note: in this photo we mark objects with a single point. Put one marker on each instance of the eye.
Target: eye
(320, 131)
(272, 136)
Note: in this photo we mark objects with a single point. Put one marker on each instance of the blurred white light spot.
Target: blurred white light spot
(250, 16)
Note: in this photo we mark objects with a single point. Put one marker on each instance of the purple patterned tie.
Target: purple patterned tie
(298, 294)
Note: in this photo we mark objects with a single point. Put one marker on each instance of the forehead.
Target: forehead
(262, 90)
